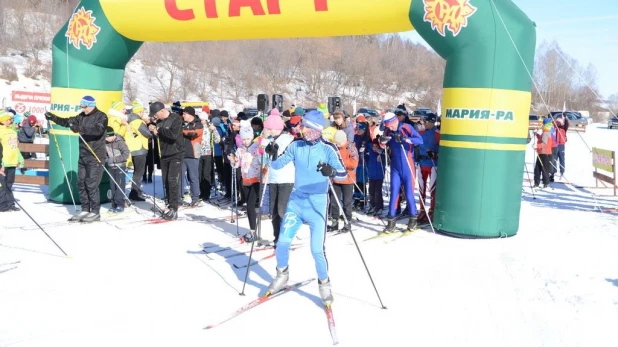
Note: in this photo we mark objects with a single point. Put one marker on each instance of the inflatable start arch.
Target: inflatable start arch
(486, 86)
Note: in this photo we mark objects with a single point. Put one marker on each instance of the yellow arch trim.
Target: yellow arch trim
(483, 145)
(152, 20)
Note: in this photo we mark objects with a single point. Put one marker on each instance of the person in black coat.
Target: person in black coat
(169, 131)
(91, 125)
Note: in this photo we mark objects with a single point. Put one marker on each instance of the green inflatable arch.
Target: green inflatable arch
(487, 45)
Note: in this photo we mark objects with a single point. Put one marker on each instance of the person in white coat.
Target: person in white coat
(281, 181)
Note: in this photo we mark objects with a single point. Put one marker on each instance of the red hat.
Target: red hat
(361, 118)
(294, 120)
(206, 109)
(32, 119)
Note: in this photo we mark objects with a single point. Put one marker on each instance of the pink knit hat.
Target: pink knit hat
(275, 112)
(274, 121)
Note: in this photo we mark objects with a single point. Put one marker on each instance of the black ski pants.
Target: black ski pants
(205, 170)
(252, 196)
(7, 201)
(347, 191)
(279, 197)
(118, 175)
(543, 162)
(170, 170)
(139, 168)
(89, 174)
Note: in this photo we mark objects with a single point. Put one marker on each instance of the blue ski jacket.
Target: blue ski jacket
(362, 141)
(375, 168)
(306, 155)
(400, 152)
(431, 142)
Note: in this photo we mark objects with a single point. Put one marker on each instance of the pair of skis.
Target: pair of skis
(327, 309)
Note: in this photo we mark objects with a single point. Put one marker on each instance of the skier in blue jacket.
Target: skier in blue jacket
(316, 162)
(401, 139)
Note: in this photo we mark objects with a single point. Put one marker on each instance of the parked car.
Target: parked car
(534, 122)
(612, 122)
(419, 114)
(368, 112)
(251, 112)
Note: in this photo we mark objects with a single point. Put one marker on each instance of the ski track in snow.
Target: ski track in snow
(129, 284)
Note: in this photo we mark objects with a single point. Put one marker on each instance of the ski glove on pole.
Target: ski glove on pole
(272, 149)
(398, 137)
(326, 170)
(384, 139)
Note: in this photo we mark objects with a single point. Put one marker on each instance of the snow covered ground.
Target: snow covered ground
(133, 284)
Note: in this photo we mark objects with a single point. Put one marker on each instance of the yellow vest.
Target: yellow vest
(143, 140)
(115, 123)
(329, 133)
(11, 157)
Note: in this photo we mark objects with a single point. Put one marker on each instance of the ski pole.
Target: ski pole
(415, 185)
(528, 173)
(154, 183)
(66, 176)
(104, 168)
(364, 182)
(37, 224)
(242, 293)
(345, 219)
(235, 197)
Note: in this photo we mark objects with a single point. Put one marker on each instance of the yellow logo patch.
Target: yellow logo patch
(82, 30)
(448, 14)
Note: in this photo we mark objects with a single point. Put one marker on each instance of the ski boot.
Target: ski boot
(78, 217)
(377, 212)
(334, 226)
(250, 237)
(326, 292)
(283, 275)
(390, 226)
(172, 214)
(411, 224)
(91, 217)
(347, 228)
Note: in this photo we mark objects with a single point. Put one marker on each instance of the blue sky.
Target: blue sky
(586, 30)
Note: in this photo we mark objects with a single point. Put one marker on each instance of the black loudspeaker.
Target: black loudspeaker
(262, 102)
(334, 104)
(278, 102)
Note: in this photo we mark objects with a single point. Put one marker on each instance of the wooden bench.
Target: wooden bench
(34, 164)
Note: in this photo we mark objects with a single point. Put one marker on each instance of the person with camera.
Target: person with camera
(169, 131)
(91, 125)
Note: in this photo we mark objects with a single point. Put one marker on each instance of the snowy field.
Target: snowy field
(128, 283)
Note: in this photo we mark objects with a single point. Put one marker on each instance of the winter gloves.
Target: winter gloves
(326, 169)
(272, 149)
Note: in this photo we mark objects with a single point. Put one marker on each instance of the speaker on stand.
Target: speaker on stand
(262, 102)
(278, 102)
(334, 104)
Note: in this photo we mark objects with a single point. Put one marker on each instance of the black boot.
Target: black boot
(334, 225)
(347, 228)
(390, 226)
(172, 214)
(411, 224)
